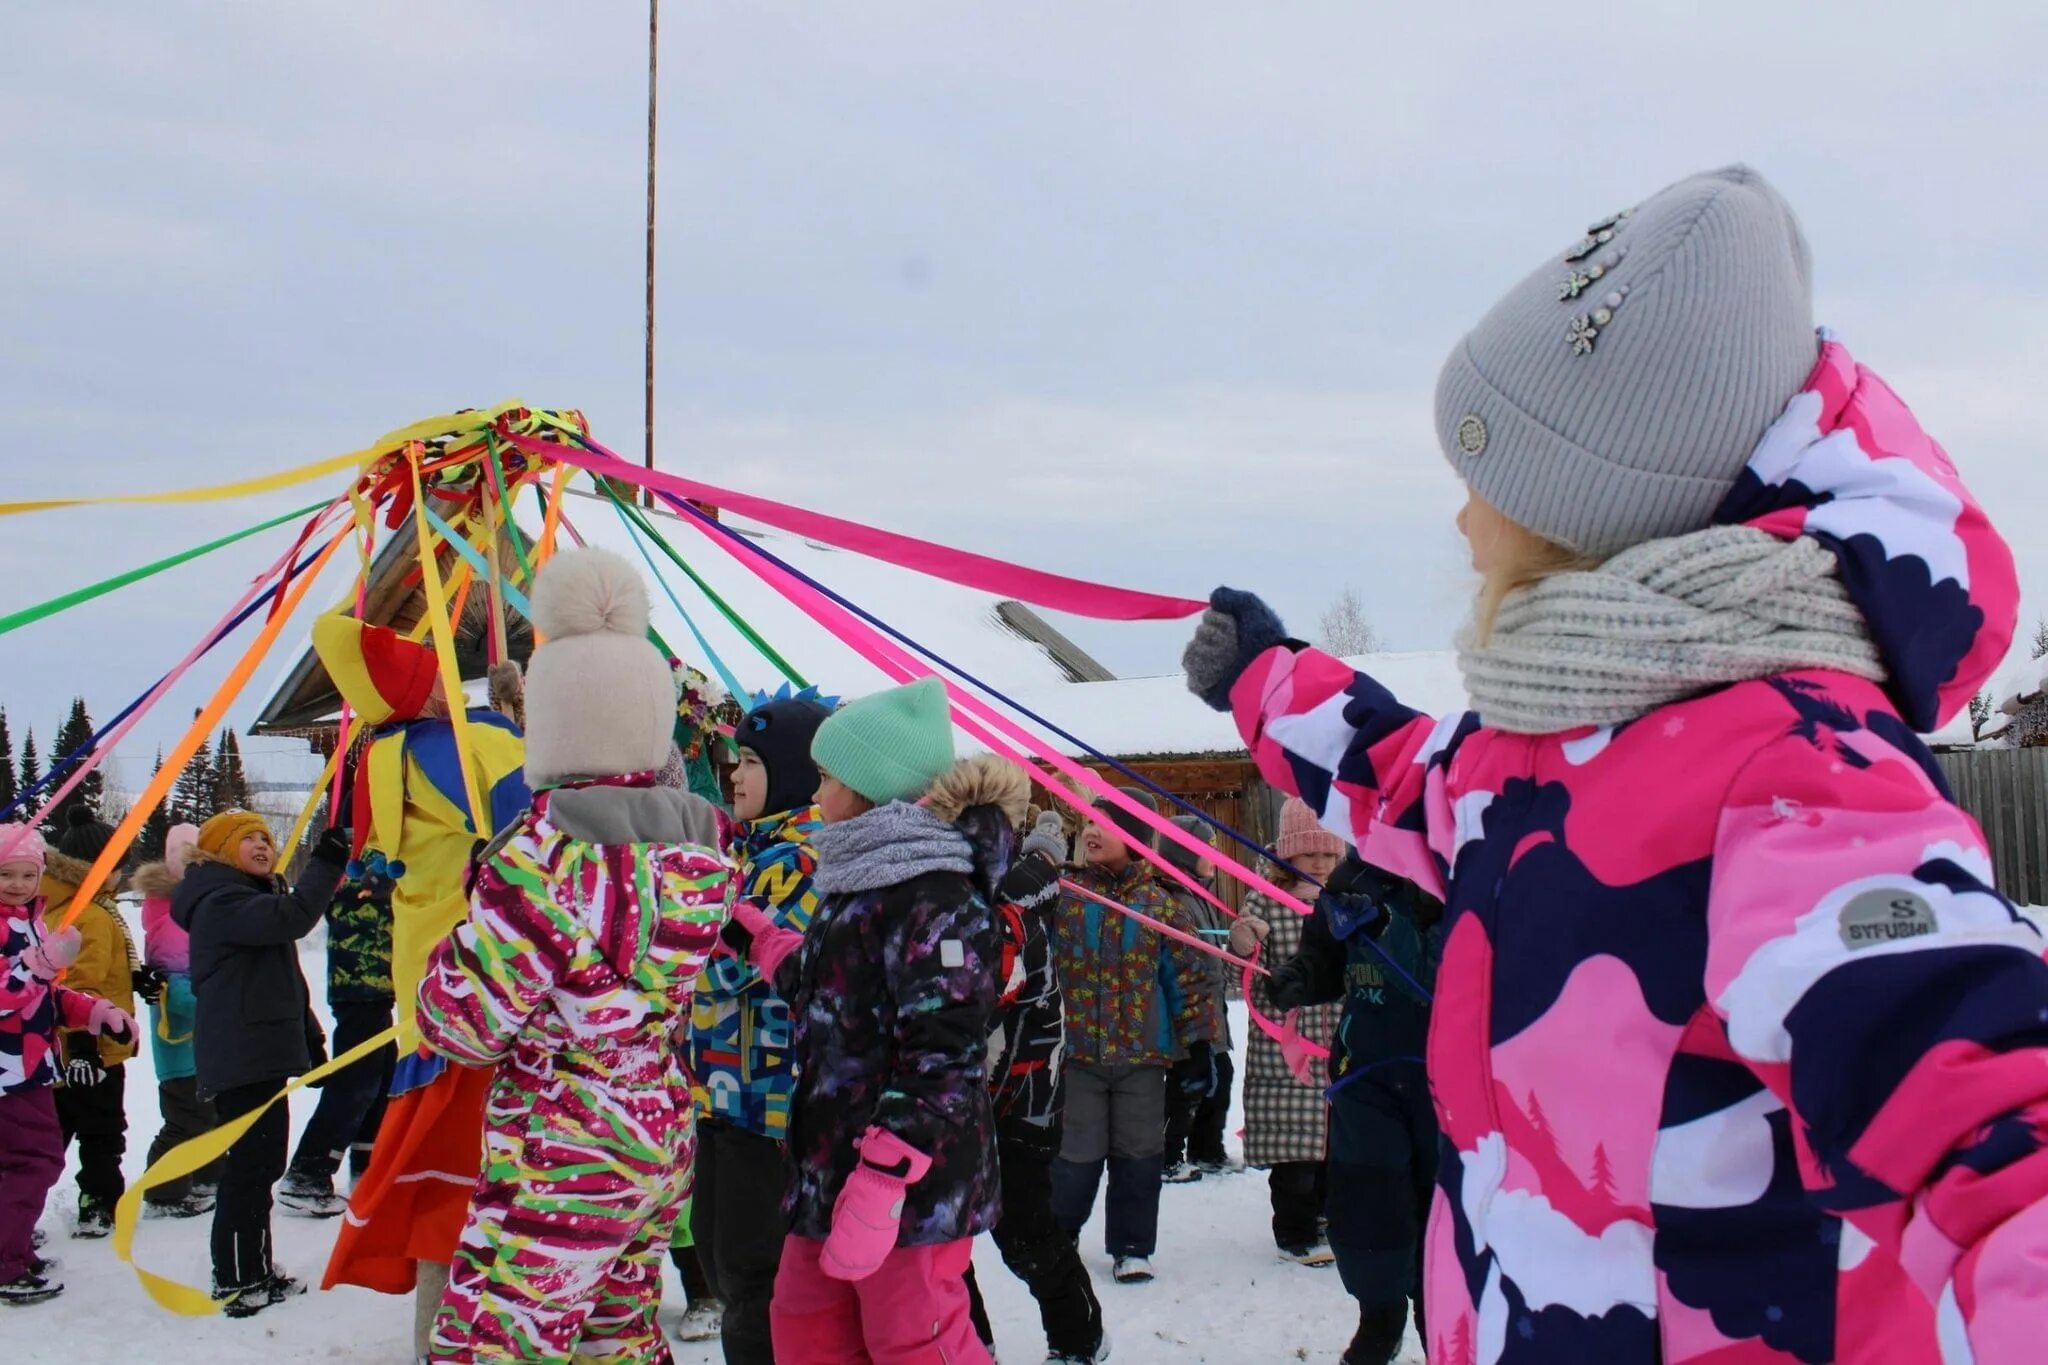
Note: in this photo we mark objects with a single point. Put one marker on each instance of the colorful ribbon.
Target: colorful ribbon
(999, 577)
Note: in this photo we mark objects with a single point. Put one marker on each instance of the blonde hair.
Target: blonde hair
(1523, 559)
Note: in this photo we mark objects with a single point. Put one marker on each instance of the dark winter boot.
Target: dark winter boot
(95, 1219)
(309, 1196)
(1378, 1339)
(34, 1285)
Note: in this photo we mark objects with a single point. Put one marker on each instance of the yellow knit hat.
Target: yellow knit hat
(222, 835)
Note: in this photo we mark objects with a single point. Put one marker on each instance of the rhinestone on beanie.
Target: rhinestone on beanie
(1472, 435)
(1583, 332)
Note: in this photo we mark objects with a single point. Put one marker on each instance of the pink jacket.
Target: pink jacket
(1738, 1055)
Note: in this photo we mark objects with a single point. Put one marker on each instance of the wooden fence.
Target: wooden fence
(2007, 791)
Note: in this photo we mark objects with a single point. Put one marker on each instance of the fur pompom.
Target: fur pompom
(589, 591)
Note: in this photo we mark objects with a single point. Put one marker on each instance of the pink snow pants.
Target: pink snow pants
(912, 1311)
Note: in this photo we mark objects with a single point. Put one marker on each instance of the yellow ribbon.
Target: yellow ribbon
(447, 424)
(444, 647)
(187, 1158)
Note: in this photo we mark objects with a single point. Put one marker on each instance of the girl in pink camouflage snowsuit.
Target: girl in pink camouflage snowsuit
(589, 921)
(1738, 1056)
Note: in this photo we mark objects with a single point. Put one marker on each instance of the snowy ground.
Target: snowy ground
(1221, 1294)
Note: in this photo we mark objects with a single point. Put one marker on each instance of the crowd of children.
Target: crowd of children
(1670, 1013)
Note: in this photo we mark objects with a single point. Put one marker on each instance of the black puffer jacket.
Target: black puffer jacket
(891, 994)
(255, 1017)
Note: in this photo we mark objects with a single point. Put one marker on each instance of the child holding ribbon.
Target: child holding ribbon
(32, 1009)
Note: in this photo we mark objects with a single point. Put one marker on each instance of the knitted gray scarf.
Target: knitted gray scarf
(885, 846)
(1662, 621)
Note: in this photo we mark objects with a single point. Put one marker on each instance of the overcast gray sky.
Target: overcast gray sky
(1148, 292)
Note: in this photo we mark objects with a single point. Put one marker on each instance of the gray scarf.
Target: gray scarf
(887, 845)
(1662, 621)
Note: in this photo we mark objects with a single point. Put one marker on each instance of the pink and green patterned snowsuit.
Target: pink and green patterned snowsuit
(574, 967)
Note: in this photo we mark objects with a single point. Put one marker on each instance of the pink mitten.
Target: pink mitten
(1294, 1049)
(865, 1220)
(47, 958)
(771, 942)
(111, 1020)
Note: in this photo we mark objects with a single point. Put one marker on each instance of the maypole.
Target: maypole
(653, 54)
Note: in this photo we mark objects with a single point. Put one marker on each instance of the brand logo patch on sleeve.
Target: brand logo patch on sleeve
(952, 953)
(1885, 916)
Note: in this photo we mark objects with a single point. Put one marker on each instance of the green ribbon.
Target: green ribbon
(121, 580)
(732, 617)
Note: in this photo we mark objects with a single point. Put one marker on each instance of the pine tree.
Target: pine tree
(157, 829)
(76, 738)
(31, 766)
(9, 787)
(192, 795)
(1603, 1173)
(230, 782)
(2041, 637)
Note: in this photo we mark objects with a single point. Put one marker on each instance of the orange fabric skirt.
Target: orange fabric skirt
(411, 1204)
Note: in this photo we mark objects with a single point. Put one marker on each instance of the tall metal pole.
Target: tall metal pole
(653, 51)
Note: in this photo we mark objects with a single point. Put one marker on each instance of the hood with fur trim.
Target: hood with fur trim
(156, 879)
(1849, 465)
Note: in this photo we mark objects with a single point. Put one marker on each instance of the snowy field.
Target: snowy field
(1221, 1294)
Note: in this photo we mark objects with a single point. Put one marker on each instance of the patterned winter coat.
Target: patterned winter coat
(1127, 994)
(1027, 1037)
(892, 992)
(1738, 1055)
(359, 940)
(1284, 1120)
(31, 1011)
(740, 1030)
(575, 967)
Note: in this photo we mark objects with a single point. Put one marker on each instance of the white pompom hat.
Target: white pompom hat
(599, 698)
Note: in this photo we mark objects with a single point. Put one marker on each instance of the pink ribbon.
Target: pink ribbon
(970, 710)
(964, 567)
(106, 746)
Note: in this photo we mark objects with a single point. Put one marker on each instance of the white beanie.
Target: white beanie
(599, 699)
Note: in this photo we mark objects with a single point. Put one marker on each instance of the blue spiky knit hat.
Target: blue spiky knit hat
(779, 730)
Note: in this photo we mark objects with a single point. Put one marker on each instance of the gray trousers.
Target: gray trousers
(1115, 1117)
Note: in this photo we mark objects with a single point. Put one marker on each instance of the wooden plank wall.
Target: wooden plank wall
(2006, 790)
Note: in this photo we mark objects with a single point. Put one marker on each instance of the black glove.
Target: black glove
(316, 1050)
(1288, 987)
(1196, 1076)
(1236, 629)
(1031, 881)
(1352, 899)
(82, 1068)
(332, 847)
(737, 937)
(149, 983)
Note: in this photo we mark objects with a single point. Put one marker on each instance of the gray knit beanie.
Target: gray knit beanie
(1615, 394)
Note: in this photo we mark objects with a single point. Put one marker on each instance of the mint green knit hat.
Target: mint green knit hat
(890, 746)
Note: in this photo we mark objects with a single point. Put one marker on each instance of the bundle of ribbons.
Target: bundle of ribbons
(462, 473)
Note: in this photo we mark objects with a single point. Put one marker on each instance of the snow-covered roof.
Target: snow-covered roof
(1156, 717)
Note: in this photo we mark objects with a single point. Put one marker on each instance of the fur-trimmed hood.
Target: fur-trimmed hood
(966, 823)
(983, 780)
(156, 879)
(71, 872)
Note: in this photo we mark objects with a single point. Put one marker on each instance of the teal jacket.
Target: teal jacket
(170, 1041)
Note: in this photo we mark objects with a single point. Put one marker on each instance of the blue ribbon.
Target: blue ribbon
(732, 684)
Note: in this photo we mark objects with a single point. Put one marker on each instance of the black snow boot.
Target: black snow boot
(1378, 1339)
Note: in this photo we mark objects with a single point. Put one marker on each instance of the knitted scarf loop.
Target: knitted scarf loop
(887, 846)
(1660, 622)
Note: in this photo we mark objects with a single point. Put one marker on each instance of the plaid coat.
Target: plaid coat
(1284, 1120)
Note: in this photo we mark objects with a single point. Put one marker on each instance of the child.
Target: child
(168, 949)
(92, 1085)
(1372, 944)
(590, 918)
(1286, 1118)
(360, 999)
(891, 1134)
(1736, 1052)
(1197, 1105)
(32, 1008)
(254, 1026)
(1132, 1009)
(1027, 1045)
(740, 1030)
